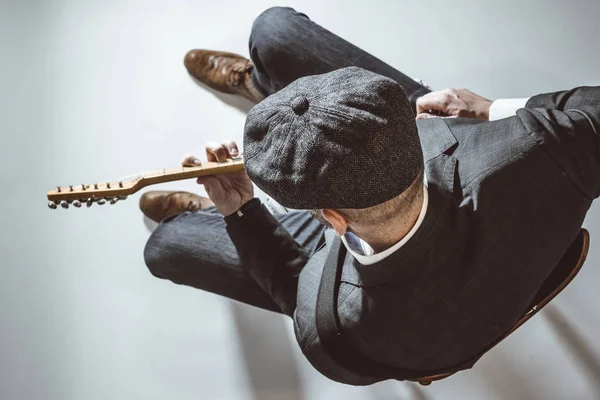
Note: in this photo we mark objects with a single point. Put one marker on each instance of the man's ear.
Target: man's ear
(336, 220)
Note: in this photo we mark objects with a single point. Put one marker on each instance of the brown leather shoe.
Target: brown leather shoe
(160, 204)
(224, 72)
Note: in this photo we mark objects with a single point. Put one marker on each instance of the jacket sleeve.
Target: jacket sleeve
(584, 98)
(567, 125)
(268, 253)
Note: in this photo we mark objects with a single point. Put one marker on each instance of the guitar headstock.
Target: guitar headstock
(95, 193)
(112, 192)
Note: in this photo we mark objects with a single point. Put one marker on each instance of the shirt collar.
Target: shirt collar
(365, 255)
(438, 236)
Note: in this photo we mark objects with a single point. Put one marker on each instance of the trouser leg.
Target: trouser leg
(286, 45)
(194, 249)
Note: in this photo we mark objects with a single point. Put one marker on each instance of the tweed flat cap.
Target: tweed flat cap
(344, 139)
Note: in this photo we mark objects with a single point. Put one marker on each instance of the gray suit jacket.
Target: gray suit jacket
(506, 198)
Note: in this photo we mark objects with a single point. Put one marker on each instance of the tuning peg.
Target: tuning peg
(58, 189)
(114, 200)
(64, 204)
(89, 202)
(76, 203)
(70, 188)
(108, 185)
(83, 186)
(100, 202)
(122, 197)
(120, 183)
(95, 186)
(52, 205)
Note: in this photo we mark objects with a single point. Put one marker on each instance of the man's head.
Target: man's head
(378, 217)
(344, 142)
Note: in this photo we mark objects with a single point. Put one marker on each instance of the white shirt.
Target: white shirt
(364, 254)
(504, 108)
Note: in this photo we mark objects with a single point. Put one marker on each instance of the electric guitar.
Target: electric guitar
(113, 191)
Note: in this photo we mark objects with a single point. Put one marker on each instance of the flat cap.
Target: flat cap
(344, 139)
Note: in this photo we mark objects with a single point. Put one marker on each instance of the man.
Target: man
(452, 224)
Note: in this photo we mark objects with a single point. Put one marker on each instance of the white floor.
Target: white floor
(94, 90)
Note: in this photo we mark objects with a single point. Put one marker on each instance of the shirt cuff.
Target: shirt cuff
(504, 108)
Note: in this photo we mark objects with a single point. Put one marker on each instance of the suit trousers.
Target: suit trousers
(193, 248)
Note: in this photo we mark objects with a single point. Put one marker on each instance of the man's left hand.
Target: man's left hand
(229, 191)
(453, 103)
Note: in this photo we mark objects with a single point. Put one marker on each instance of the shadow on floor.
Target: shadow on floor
(504, 376)
(586, 359)
(417, 391)
(390, 390)
(150, 225)
(267, 354)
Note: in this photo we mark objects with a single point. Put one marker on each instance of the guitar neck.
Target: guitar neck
(119, 190)
(177, 174)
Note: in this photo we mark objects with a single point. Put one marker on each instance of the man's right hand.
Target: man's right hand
(453, 103)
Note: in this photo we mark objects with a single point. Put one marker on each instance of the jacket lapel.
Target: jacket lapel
(436, 138)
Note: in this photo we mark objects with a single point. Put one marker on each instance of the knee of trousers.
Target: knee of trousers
(156, 255)
(152, 257)
(175, 247)
(271, 27)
